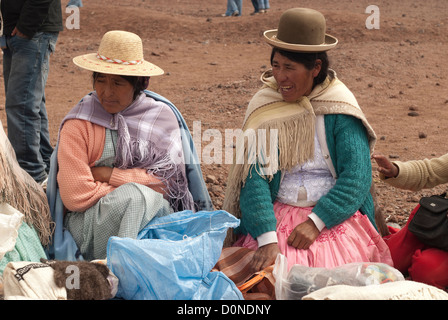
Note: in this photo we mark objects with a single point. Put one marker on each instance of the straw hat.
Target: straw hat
(120, 53)
(301, 30)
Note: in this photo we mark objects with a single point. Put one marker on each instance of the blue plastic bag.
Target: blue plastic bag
(172, 259)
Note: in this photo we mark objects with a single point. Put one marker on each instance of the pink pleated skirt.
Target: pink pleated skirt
(354, 240)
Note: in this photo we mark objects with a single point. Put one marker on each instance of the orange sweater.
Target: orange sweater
(81, 144)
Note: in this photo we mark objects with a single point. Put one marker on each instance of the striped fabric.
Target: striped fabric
(234, 263)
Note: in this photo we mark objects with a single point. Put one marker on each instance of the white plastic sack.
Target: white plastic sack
(398, 290)
(10, 222)
(300, 280)
(31, 280)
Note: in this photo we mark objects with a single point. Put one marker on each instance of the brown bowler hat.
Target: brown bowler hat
(301, 30)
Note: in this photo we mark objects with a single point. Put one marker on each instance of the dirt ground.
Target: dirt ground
(212, 67)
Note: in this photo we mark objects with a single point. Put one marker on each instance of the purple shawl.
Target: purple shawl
(148, 137)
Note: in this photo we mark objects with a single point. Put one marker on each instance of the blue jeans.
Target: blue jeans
(76, 3)
(25, 70)
(255, 4)
(234, 5)
(263, 4)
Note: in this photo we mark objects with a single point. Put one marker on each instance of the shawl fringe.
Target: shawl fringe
(281, 155)
(20, 191)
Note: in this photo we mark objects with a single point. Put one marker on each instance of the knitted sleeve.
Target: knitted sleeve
(420, 174)
(76, 155)
(256, 205)
(137, 175)
(350, 153)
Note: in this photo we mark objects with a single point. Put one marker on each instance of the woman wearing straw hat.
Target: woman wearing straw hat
(309, 198)
(119, 154)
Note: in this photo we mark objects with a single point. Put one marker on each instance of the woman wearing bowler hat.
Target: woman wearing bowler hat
(309, 197)
(120, 155)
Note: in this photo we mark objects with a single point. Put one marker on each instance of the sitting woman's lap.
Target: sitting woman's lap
(354, 240)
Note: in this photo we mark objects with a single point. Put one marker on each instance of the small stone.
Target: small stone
(217, 190)
(210, 179)
(422, 135)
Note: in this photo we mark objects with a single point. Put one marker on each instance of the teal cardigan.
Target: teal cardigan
(349, 151)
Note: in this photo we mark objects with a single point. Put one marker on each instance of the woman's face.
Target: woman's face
(293, 79)
(114, 92)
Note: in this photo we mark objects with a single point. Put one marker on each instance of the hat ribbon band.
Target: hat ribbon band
(118, 61)
(274, 37)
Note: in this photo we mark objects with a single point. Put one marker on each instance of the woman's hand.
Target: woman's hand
(101, 174)
(303, 235)
(385, 166)
(264, 257)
